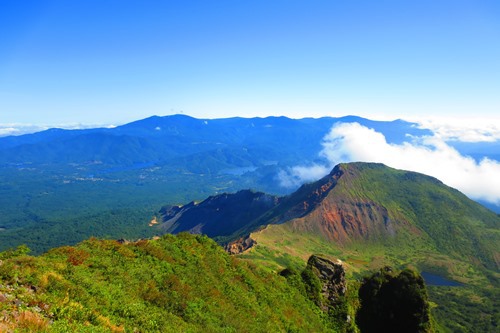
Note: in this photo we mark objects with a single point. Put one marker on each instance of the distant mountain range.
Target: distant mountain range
(186, 141)
(67, 182)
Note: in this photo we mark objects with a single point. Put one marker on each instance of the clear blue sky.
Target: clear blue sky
(118, 61)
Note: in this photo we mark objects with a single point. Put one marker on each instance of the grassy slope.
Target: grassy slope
(457, 238)
(176, 283)
(451, 223)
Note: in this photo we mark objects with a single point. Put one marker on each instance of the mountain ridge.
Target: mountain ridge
(181, 127)
(372, 202)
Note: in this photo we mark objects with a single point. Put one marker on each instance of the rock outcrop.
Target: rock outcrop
(240, 245)
(332, 281)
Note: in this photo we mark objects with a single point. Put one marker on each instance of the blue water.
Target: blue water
(436, 280)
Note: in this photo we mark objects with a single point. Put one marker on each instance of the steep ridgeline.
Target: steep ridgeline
(220, 215)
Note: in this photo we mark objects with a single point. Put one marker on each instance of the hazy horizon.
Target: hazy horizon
(432, 155)
(466, 129)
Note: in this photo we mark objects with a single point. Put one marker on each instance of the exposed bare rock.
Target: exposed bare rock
(332, 278)
(240, 245)
(333, 208)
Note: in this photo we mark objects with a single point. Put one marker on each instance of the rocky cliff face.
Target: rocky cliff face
(344, 221)
(332, 280)
(394, 302)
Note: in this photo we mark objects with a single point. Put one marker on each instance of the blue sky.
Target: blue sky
(110, 62)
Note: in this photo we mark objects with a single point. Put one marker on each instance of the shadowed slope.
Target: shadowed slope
(219, 215)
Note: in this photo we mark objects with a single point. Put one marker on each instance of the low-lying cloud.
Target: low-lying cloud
(21, 129)
(351, 142)
(298, 175)
(463, 129)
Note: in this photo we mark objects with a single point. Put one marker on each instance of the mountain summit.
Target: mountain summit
(370, 202)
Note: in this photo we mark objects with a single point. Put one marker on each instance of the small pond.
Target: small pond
(437, 280)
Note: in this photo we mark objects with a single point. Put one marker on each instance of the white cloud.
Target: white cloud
(297, 175)
(4, 131)
(20, 129)
(349, 142)
(472, 129)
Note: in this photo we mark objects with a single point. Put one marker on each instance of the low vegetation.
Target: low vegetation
(181, 283)
(173, 284)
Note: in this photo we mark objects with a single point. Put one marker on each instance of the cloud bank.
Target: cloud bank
(462, 129)
(351, 142)
(21, 129)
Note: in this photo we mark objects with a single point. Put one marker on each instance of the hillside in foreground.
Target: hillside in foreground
(187, 283)
(178, 283)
